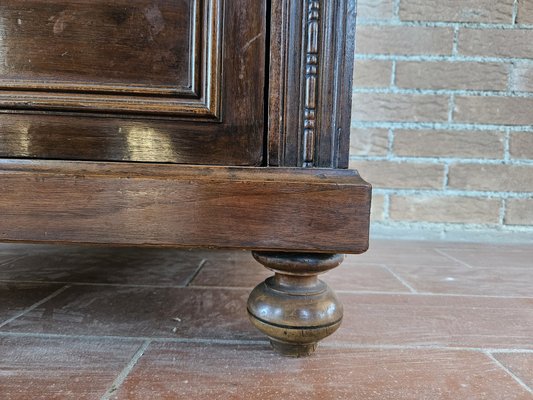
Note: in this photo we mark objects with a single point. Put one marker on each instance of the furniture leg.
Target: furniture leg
(294, 308)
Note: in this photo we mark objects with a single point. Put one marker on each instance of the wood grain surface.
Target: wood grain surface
(317, 210)
(157, 81)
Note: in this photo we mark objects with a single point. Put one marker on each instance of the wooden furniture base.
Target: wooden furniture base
(193, 124)
(281, 209)
(294, 308)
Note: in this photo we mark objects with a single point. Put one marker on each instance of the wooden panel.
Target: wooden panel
(177, 81)
(152, 56)
(164, 205)
(311, 71)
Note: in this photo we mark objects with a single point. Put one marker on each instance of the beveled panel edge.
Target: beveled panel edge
(201, 100)
(276, 209)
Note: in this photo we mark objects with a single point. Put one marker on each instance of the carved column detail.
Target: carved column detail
(310, 85)
(311, 81)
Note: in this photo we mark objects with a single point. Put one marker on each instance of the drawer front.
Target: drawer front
(138, 80)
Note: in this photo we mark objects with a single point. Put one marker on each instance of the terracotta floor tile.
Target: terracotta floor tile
(493, 257)
(405, 253)
(16, 297)
(508, 281)
(101, 265)
(355, 276)
(239, 269)
(178, 371)
(520, 364)
(231, 269)
(43, 368)
(436, 321)
(142, 312)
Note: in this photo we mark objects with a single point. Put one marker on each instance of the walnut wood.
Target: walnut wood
(100, 99)
(139, 80)
(294, 308)
(146, 56)
(168, 205)
(311, 69)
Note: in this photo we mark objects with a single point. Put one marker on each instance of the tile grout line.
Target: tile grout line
(455, 43)
(206, 341)
(400, 279)
(515, 12)
(329, 344)
(437, 57)
(442, 24)
(508, 371)
(431, 294)
(244, 288)
(34, 306)
(97, 284)
(126, 371)
(197, 272)
(453, 258)
(11, 260)
(339, 345)
(396, 11)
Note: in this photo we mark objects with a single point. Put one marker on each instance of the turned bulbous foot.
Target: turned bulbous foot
(294, 308)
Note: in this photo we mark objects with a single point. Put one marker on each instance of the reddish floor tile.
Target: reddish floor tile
(432, 320)
(142, 312)
(231, 269)
(16, 297)
(101, 265)
(355, 276)
(520, 364)
(405, 253)
(370, 319)
(493, 257)
(175, 371)
(239, 269)
(472, 281)
(44, 368)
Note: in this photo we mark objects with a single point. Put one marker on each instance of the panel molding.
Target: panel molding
(311, 71)
(199, 99)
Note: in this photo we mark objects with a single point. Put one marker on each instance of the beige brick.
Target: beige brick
(525, 12)
(369, 142)
(452, 75)
(495, 11)
(496, 42)
(445, 209)
(519, 212)
(523, 77)
(497, 178)
(378, 208)
(521, 145)
(375, 9)
(494, 110)
(404, 40)
(462, 144)
(370, 73)
(399, 107)
(386, 174)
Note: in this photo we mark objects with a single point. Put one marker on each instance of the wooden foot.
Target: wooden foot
(294, 308)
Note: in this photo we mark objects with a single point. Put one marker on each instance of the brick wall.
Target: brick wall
(443, 114)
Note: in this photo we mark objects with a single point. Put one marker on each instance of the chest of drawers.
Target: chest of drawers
(188, 123)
